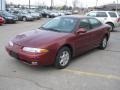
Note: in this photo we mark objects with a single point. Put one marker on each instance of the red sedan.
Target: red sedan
(2, 21)
(60, 39)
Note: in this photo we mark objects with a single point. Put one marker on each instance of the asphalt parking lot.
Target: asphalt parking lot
(95, 70)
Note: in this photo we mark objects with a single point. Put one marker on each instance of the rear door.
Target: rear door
(97, 30)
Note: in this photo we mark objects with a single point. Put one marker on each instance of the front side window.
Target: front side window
(95, 23)
(101, 14)
(112, 14)
(61, 24)
(84, 23)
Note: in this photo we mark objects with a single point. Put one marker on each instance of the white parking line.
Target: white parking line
(81, 73)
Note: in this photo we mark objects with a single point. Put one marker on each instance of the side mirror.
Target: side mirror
(81, 30)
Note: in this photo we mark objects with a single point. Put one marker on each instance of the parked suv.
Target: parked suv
(108, 17)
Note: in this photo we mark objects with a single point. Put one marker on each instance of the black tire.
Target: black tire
(24, 19)
(103, 43)
(58, 62)
(14, 22)
(112, 26)
(47, 16)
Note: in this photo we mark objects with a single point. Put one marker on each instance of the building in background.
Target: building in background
(110, 7)
(2, 4)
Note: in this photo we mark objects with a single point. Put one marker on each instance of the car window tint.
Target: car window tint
(101, 14)
(112, 14)
(84, 23)
(92, 14)
(94, 22)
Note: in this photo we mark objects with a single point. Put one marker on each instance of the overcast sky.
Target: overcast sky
(81, 3)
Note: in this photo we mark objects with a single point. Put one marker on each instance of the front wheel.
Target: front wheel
(103, 44)
(24, 19)
(63, 58)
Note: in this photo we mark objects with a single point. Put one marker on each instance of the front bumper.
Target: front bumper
(10, 20)
(29, 58)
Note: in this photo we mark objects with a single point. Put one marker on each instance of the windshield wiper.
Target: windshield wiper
(50, 29)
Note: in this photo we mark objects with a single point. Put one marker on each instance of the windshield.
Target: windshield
(60, 24)
(7, 13)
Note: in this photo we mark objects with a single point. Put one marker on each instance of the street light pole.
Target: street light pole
(29, 4)
(51, 4)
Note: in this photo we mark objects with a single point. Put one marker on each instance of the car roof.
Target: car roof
(76, 16)
(102, 11)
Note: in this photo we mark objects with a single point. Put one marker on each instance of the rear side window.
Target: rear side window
(94, 22)
(112, 14)
(101, 14)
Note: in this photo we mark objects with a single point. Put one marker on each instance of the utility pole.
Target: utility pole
(117, 5)
(29, 4)
(96, 3)
(1, 4)
(51, 5)
(66, 5)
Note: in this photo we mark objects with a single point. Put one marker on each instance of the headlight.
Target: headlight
(34, 50)
(10, 43)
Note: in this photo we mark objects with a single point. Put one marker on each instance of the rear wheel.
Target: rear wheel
(103, 44)
(63, 58)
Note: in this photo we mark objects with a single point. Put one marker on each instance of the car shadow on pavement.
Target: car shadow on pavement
(74, 59)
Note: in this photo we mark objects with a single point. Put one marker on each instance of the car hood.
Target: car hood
(10, 15)
(37, 38)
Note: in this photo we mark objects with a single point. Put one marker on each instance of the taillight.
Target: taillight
(118, 20)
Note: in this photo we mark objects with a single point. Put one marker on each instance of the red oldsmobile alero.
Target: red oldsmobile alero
(60, 39)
